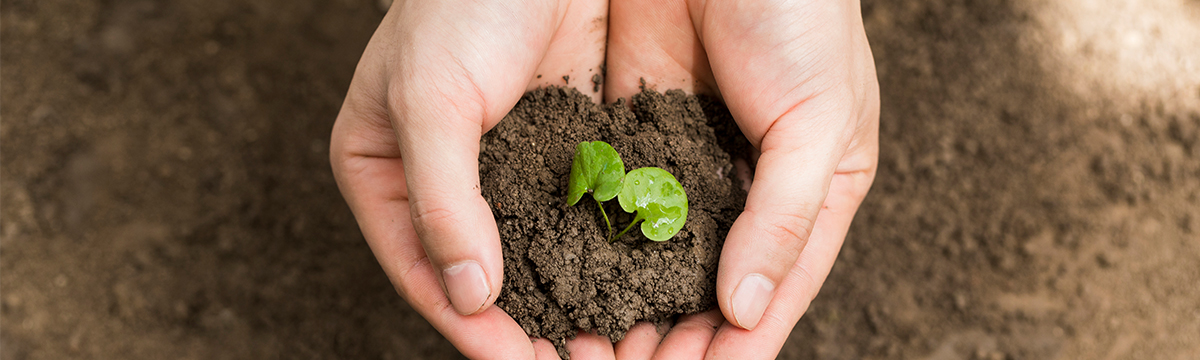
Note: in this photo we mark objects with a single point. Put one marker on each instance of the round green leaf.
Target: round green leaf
(658, 198)
(597, 168)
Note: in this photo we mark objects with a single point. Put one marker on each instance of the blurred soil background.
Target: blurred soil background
(165, 190)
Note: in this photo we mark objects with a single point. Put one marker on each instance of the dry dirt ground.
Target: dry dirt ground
(166, 194)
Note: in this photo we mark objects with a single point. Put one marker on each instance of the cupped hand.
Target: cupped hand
(799, 79)
(404, 150)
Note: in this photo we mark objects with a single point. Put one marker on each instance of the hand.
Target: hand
(481, 57)
(799, 78)
(405, 147)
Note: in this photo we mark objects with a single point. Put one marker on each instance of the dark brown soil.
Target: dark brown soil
(560, 272)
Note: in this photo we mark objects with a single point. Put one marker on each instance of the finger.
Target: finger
(544, 349)
(491, 334)
(575, 57)
(588, 346)
(690, 337)
(366, 152)
(800, 285)
(790, 184)
(445, 88)
(366, 170)
(803, 121)
(654, 42)
(774, 229)
(639, 342)
(440, 148)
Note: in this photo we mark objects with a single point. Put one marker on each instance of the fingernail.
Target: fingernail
(467, 287)
(750, 299)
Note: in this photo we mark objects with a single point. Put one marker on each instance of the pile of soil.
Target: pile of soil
(560, 272)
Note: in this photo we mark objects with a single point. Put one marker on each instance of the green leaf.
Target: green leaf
(597, 168)
(658, 199)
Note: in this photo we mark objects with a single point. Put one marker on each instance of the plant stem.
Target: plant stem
(635, 220)
(606, 223)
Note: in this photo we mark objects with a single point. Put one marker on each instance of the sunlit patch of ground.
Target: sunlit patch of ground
(1123, 51)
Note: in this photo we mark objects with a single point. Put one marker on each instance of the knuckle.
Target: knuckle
(788, 233)
(433, 214)
(852, 186)
(401, 282)
(774, 320)
(864, 186)
(808, 283)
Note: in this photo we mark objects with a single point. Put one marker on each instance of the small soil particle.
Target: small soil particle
(596, 81)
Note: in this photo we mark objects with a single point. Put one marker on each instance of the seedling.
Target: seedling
(596, 169)
(658, 199)
(653, 193)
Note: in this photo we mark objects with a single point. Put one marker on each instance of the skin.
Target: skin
(798, 76)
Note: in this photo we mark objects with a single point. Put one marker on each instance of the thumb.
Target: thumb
(453, 72)
(813, 119)
(791, 181)
(451, 79)
(439, 144)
